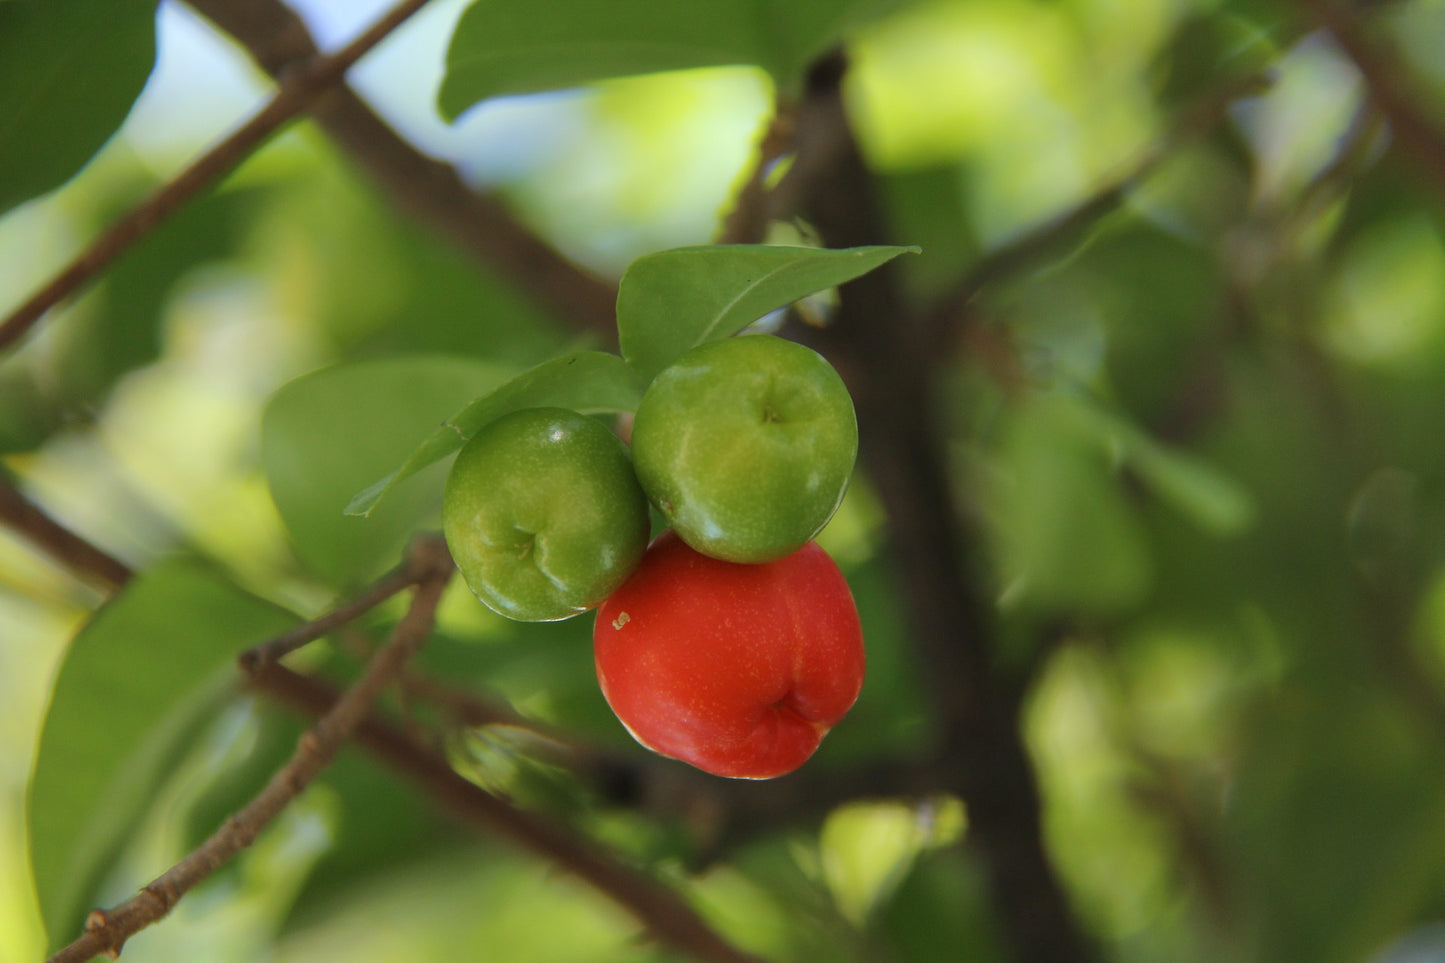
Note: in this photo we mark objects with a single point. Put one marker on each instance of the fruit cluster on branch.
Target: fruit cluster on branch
(731, 642)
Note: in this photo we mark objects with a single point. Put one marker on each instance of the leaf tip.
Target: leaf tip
(365, 501)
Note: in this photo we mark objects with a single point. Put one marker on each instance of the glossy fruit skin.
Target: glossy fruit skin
(739, 670)
(746, 445)
(543, 514)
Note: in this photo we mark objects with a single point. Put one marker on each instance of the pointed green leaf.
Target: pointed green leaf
(69, 72)
(1067, 537)
(673, 301)
(513, 47)
(592, 382)
(325, 435)
(134, 686)
(1214, 501)
(868, 848)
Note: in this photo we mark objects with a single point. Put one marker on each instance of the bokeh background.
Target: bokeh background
(1195, 421)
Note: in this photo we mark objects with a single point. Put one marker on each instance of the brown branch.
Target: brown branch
(1418, 136)
(423, 188)
(107, 930)
(668, 917)
(720, 813)
(301, 88)
(32, 523)
(878, 343)
(420, 563)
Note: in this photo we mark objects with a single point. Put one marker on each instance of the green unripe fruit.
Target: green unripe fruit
(544, 515)
(746, 446)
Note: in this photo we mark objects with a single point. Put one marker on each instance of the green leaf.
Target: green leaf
(868, 848)
(1068, 535)
(387, 286)
(325, 435)
(135, 686)
(673, 301)
(69, 72)
(1211, 499)
(121, 327)
(592, 382)
(479, 900)
(942, 912)
(1207, 49)
(1214, 501)
(511, 47)
(1068, 538)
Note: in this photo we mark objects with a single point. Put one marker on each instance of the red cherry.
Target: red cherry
(739, 670)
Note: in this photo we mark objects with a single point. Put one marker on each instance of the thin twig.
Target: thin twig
(410, 572)
(28, 520)
(665, 915)
(300, 89)
(107, 930)
(428, 190)
(316, 699)
(721, 813)
(669, 918)
(1418, 136)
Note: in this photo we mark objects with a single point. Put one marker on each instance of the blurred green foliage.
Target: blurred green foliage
(1199, 434)
(112, 735)
(69, 73)
(312, 478)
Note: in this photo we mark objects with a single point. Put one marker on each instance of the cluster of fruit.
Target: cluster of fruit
(731, 642)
